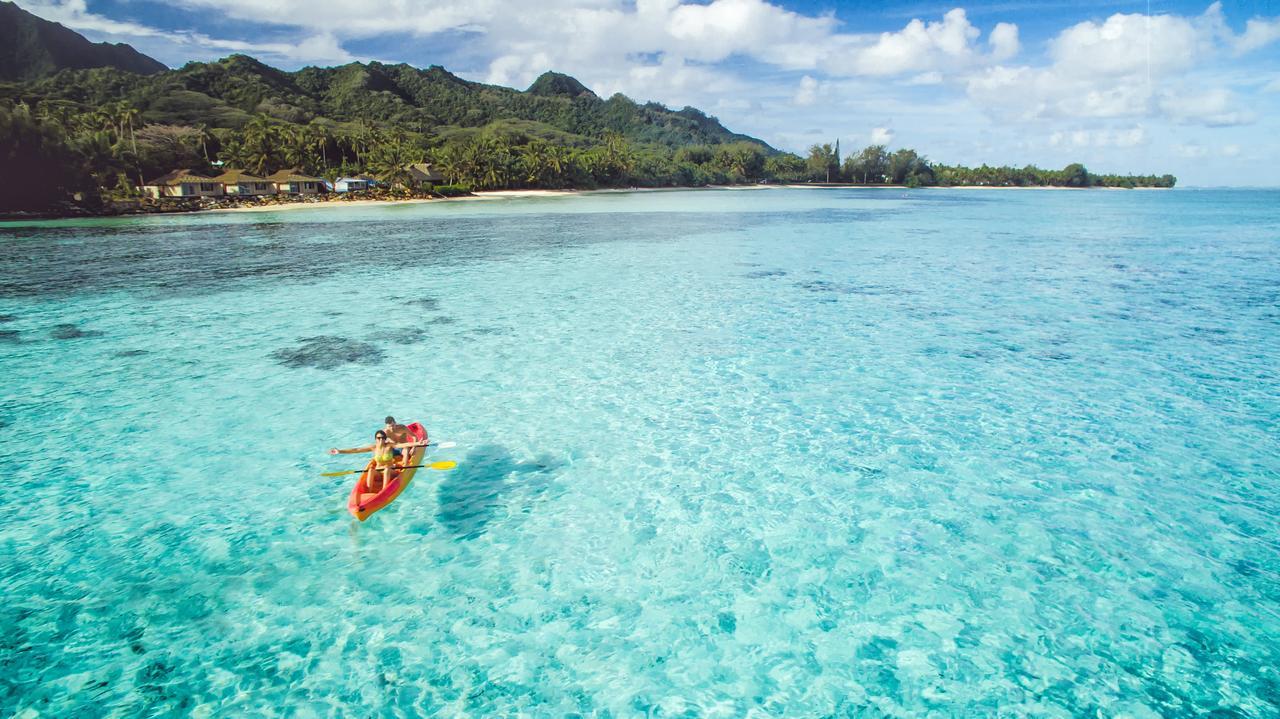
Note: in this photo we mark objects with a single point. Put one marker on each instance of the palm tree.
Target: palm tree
(559, 160)
(445, 159)
(259, 145)
(616, 157)
(492, 158)
(319, 137)
(202, 136)
(535, 163)
(127, 115)
(293, 141)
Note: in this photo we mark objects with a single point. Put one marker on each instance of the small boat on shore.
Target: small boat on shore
(361, 506)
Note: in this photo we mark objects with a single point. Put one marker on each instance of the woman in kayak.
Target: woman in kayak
(384, 457)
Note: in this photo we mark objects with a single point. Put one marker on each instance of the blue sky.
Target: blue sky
(1191, 88)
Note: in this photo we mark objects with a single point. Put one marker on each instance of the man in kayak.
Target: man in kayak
(397, 435)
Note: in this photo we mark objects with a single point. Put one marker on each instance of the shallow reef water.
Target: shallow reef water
(783, 453)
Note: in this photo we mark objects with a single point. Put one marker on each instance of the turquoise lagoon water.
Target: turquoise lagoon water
(722, 453)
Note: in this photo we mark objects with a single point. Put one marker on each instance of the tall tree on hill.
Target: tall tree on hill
(202, 136)
(820, 162)
(319, 137)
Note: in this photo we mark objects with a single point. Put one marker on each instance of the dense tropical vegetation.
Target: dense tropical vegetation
(91, 135)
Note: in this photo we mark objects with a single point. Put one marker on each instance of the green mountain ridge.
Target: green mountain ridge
(46, 62)
(31, 48)
(432, 101)
(553, 84)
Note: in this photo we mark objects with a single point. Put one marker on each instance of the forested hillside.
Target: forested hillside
(227, 94)
(32, 48)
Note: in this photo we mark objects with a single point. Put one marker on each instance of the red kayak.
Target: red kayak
(400, 479)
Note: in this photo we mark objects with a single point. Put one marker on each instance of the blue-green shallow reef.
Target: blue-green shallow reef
(769, 453)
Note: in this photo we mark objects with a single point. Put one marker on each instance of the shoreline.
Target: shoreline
(482, 195)
(314, 201)
(849, 186)
(375, 202)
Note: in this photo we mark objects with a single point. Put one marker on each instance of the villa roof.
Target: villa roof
(353, 179)
(177, 177)
(423, 171)
(292, 174)
(235, 177)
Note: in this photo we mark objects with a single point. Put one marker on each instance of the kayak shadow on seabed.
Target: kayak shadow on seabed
(470, 495)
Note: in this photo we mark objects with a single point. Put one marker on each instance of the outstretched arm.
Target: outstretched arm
(353, 450)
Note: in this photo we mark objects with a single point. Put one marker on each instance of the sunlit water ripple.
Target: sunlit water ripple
(768, 453)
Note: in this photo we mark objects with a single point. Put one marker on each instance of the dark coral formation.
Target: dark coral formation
(71, 332)
(328, 352)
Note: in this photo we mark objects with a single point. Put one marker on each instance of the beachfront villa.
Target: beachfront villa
(241, 183)
(183, 183)
(293, 182)
(422, 176)
(349, 184)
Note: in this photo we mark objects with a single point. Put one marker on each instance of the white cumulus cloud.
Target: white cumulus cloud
(1123, 138)
(1127, 45)
(1126, 66)
(1214, 107)
(322, 47)
(1003, 41)
(1258, 33)
(807, 93)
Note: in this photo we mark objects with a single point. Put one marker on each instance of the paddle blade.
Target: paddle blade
(342, 474)
(443, 465)
(446, 445)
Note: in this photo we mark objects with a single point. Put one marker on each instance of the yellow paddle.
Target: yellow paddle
(448, 464)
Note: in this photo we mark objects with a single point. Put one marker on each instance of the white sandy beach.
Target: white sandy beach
(509, 194)
(481, 195)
